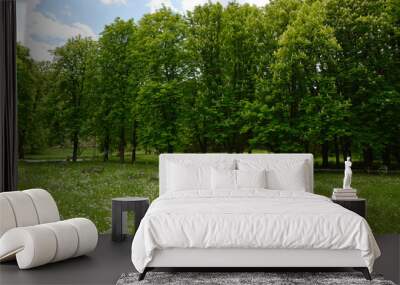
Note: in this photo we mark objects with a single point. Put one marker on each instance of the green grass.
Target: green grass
(62, 153)
(85, 188)
(381, 191)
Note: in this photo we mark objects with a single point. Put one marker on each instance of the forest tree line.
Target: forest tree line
(320, 76)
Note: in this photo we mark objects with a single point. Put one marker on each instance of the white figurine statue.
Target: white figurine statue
(347, 174)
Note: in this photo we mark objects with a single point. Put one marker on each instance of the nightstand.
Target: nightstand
(358, 206)
(120, 206)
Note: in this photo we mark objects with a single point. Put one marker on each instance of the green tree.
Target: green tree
(114, 93)
(32, 134)
(160, 56)
(72, 62)
(240, 66)
(304, 78)
(368, 71)
(224, 61)
(295, 75)
(204, 51)
(260, 115)
(302, 106)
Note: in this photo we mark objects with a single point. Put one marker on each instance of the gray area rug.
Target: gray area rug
(236, 278)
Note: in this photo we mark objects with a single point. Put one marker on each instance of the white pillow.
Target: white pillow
(223, 179)
(282, 174)
(188, 177)
(251, 178)
(193, 174)
(226, 179)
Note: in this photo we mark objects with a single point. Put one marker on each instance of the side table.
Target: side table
(358, 206)
(120, 207)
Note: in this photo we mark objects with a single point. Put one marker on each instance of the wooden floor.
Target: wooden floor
(110, 260)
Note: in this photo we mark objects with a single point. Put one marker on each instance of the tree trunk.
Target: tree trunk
(106, 148)
(203, 145)
(241, 143)
(134, 141)
(122, 145)
(306, 147)
(386, 156)
(396, 153)
(236, 143)
(21, 142)
(368, 157)
(337, 153)
(75, 147)
(325, 154)
(170, 148)
(346, 151)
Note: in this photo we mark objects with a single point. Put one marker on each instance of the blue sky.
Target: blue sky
(42, 25)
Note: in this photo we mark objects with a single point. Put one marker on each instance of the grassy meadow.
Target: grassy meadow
(85, 188)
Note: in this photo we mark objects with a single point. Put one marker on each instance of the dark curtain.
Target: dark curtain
(8, 97)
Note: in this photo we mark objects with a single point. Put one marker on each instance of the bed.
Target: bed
(246, 211)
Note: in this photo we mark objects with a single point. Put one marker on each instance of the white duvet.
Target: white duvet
(250, 219)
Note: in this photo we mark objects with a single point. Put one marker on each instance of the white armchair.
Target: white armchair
(32, 233)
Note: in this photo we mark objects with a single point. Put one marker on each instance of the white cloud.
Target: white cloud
(67, 11)
(189, 5)
(40, 50)
(157, 4)
(44, 26)
(258, 3)
(42, 32)
(24, 9)
(112, 2)
(185, 5)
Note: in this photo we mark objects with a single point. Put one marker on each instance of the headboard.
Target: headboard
(163, 159)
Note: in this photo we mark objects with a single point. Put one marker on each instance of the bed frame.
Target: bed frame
(246, 259)
(249, 259)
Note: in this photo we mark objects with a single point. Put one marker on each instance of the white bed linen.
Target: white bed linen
(250, 218)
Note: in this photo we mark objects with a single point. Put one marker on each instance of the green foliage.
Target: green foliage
(31, 80)
(115, 91)
(202, 116)
(224, 62)
(303, 79)
(158, 114)
(159, 53)
(71, 69)
(261, 115)
(316, 76)
(368, 71)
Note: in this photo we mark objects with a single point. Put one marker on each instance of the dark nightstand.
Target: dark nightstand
(358, 206)
(120, 206)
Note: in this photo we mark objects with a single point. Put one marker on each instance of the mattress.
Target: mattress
(250, 219)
